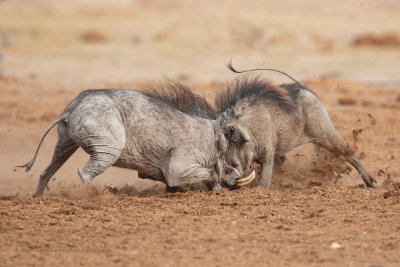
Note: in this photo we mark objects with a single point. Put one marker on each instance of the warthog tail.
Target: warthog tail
(229, 65)
(28, 165)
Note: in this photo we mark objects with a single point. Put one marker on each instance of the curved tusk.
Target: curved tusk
(236, 172)
(246, 180)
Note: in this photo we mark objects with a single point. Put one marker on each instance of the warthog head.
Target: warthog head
(242, 105)
(239, 152)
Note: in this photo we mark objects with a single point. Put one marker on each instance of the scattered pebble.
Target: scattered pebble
(93, 36)
(335, 245)
(347, 101)
(386, 39)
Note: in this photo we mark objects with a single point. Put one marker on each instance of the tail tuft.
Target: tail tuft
(27, 166)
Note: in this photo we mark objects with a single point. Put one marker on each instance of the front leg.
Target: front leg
(266, 171)
(215, 184)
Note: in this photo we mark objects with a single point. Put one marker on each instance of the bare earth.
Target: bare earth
(316, 213)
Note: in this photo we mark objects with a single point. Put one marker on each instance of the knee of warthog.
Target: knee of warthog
(43, 173)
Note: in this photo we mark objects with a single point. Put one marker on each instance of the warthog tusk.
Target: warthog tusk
(236, 172)
(246, 180)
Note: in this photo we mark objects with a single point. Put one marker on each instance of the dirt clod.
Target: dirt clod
(93, 36)
(388, 39)
(393, 192)
(314, 183)
(356, 134)
(347, 101)
(372, 119)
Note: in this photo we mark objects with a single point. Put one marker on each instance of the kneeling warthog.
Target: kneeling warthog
(264, 121)
(165, 134)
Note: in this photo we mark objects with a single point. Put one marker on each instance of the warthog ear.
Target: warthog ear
(236, 134)
(241, 108)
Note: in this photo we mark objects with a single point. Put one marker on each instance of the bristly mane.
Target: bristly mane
(182, 98)
(256, 89)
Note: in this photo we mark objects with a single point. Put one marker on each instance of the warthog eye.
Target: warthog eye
(229, 132)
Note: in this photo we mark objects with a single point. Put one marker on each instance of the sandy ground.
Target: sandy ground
(315, 201)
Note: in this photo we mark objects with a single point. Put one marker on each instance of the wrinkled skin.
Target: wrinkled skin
(128, 129)
(264, 132)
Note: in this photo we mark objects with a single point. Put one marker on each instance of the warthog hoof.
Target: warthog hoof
(369, 181)
(37, 194)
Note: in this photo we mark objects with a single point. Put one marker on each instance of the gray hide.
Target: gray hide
(265, 121)
(139, 131)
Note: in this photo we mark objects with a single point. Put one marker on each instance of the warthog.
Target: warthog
(165, 134)
(265, 121)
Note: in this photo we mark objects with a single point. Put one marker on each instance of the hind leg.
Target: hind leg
(367, 178)
(335, 145)
(61, 153)
(320, 130)
(100, 159)
(103, 138)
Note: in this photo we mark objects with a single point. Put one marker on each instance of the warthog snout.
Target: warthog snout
(234, 178)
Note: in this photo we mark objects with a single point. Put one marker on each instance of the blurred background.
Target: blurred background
(347, 51)
(92, 42)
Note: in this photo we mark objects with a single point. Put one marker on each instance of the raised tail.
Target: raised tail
(28, 165)
(229, 65)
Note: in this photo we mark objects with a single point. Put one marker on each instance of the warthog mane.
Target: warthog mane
(182, 98)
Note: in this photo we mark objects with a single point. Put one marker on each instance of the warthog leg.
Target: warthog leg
(335, 145)
(266, 171)
(367, 178)
(100, 159)
(102, 140)
(62, 152)
(321, 131)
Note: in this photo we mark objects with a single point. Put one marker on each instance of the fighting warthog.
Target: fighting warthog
(264, 121)
(165, 134)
